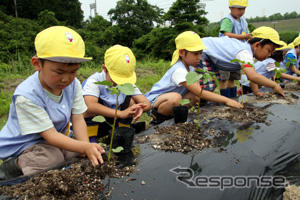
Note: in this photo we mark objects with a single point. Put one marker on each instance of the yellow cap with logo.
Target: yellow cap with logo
(284, 47)
(296, 41)
(238, 3)
(269, 33)
(187, 40)
(120, 63)
(60, 44)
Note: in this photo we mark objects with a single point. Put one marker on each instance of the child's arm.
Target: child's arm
(195, 88)
(289, 77)
(255, 89)
(92, 150)
(95, 108)
(295, 70)
(261, 80)
(237, 36)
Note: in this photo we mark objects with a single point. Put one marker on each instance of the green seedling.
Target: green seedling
(278, 71)
(193, 77)
(242, 63)
(184, 102)
(127, 89)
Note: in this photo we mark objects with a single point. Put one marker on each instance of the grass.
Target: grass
(281, 25)
(148, 72)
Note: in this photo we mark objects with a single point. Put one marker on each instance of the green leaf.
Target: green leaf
(196, 121)
(192, 77)
(277, 64)
(107, 83)
(238, 61)
(99, 119)
(102, 144)
(114, 90)
(118, 149)
(127, 88)
(184, 101)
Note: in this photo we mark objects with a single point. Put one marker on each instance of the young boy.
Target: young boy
(267, 68)
(291, 58)
(221, 51)
(233, 26)
(36, 135)
(172, 87)
(118, 68)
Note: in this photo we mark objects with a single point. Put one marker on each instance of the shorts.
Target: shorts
(225, 76)
(43, 156)
(207, 65)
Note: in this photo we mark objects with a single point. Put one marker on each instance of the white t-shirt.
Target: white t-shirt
(34, 119)
(245, 56)
(179, 75)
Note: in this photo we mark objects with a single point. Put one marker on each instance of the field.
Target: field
(282, 25)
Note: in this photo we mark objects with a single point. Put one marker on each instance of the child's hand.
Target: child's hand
(278, 89)
(233, 103)
(138, 112)
(248, 36)
(260, 94)
(93, 152)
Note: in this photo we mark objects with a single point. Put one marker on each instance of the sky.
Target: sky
(216, 9)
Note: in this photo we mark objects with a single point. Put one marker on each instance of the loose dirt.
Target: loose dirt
(78, 181)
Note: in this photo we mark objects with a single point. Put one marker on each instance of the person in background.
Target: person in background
(233, 26)
(172, 87)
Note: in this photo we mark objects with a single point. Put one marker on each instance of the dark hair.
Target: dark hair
(262, 42)
(277, 55)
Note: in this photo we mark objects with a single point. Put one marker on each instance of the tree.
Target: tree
(69, 11)
(134, 18)
(183, 11)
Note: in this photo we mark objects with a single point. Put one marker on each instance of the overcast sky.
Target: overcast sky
(216, 9)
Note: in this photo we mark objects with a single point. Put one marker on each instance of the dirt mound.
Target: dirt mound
(78, 181)
(291, 193)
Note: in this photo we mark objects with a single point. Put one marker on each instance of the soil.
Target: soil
(289, 98)
(184, 137)
(249, 113)
(291, 193)
(78, 181)
(292, 86)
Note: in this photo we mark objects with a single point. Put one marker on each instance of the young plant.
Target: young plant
(278, 71)
(242, 63)
(127, 89)
(193, 77)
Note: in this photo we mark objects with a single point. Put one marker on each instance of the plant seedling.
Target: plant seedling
(127, 89)
(278, 72)
(193, 77)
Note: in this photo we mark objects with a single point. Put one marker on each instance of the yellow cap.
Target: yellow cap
(291, 45)
(238, 3)
(60, 44)
(296, 41)
(120, 63)
(265, 32)
(284, 47)
(187, 40)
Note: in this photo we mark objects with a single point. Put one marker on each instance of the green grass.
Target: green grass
(282, 25)
(148, 72)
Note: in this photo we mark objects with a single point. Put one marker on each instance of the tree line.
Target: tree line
(145, 28)
(275, 17)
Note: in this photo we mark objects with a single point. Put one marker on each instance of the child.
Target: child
(233, 26)
(222, 51)
(172, 87)
(267, 69)
(292, 57)
(119, 68)
(36, 135)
